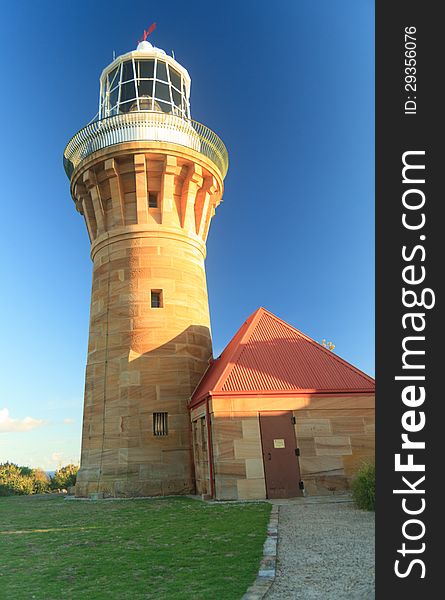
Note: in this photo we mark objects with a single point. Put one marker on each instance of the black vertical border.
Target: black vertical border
(395, 134)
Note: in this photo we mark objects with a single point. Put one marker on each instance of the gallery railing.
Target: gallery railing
(145, 126)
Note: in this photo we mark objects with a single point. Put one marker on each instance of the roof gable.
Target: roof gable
(269, 355)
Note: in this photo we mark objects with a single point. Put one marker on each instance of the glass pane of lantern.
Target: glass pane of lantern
(145, 103)
(113, 96)
(176, 97)
(113, 78)
(128, 91)
(175, 78)
(185, 107)
(145, 87)
(164, 106)
(127, 70)
(161, 71)
(162, 91)
(126, 106)
(145, 68)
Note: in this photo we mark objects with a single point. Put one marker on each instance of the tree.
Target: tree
(13, 481)
(26, 471)
(41, 481)
(328, 345)
(64, 477)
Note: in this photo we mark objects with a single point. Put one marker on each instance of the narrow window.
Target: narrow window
(156, 298)
(160, 423)
(152, 200)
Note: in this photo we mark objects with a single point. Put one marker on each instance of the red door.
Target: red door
(281, 467)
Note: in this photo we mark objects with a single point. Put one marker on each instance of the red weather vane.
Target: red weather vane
(147, 33)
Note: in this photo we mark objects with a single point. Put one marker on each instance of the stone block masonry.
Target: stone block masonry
(147, 207)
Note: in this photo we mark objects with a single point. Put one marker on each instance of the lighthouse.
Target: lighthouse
(146, 179)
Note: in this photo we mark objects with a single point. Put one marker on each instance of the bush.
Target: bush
(363, 487)
(26, 471)
(13, 481)
(41, 481)
(64, 477)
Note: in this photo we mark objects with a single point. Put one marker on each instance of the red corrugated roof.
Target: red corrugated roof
(269, 355)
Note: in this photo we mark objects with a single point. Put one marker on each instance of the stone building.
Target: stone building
(147, 180)
(278, 415)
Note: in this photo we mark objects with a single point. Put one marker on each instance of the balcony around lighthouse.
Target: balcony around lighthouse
(144, 97)
(150, 126)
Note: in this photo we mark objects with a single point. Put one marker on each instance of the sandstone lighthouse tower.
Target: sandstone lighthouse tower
(147, 180)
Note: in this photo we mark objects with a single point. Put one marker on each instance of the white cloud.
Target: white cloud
(68, 421)
(8, 424)
(56, 457)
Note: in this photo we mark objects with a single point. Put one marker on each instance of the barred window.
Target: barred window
(160, 423)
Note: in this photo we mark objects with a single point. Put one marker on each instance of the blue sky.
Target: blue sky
(288, 86)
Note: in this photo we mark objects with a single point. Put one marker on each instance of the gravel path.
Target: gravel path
(325, 552)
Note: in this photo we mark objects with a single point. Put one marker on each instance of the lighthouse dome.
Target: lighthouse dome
(144, 46)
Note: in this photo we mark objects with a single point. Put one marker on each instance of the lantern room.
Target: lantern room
(144, 97)
(146, 79)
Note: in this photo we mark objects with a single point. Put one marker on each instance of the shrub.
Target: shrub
(26, 471)
(41, 481)
(363, 487)
(13, 481)
(64, 477)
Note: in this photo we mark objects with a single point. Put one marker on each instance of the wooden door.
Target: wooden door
(281, 467)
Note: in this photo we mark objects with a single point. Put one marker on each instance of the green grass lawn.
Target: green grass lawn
(169, 548)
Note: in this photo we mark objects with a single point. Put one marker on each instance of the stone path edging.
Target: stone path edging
(267, 570)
